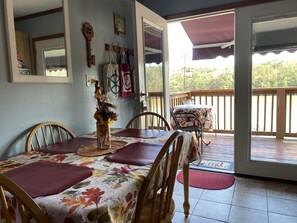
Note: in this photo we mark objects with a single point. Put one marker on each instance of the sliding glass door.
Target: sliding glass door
(266, 90)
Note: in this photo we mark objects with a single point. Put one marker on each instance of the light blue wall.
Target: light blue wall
(24, 105)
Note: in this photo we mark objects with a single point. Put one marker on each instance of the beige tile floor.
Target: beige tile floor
(249, 200)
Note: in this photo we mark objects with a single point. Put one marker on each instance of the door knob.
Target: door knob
(143, 94)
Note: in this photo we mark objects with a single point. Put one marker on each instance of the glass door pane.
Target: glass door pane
(274, 90)
(153, 55)
(151, 61)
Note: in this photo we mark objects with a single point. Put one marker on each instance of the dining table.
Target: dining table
(193, 118)
(96, 186)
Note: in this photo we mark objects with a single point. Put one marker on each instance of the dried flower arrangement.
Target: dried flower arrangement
(103, 114)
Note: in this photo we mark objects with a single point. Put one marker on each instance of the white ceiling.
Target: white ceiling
(26, 7)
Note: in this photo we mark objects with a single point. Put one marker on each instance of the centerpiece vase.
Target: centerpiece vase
(103, 136)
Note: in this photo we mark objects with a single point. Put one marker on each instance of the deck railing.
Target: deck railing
(272, 109)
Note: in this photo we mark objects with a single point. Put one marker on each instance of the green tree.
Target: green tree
(264, 75)
(154, 78)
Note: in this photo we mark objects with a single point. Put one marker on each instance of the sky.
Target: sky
(180, 51)
(180, 46)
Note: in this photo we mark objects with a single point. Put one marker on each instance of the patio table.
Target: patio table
(204, 114)
(193, 118)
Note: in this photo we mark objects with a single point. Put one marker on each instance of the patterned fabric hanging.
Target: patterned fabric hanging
(111, 77)
(125, 76)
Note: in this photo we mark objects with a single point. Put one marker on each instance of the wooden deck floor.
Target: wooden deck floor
(263, 148)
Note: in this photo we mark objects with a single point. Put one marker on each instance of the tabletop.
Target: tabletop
(203, 112)
(110, 193)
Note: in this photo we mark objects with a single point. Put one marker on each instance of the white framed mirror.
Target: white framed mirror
(53, 56)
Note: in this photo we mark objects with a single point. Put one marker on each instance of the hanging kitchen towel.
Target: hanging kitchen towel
(125, 76)
(111, 77)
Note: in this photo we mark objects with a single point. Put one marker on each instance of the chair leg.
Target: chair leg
(200, 139)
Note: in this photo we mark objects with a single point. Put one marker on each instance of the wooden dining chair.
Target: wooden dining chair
(27, 207)
(46, 134)
(155, 203)
(150, 120)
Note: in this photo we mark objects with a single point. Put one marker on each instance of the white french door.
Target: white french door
(151, 61)
(253, 24)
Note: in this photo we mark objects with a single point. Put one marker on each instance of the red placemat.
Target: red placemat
(70, 146)
(140, 133)
(138, 153)
(47, 178)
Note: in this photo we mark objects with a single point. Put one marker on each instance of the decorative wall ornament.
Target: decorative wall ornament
(119, 24)
(88, 33)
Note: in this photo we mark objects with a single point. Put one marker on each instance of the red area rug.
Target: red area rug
(208, 180)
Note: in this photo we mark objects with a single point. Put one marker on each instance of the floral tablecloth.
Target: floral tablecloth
(203, 112)
(110, 194)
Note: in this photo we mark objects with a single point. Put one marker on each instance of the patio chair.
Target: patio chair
(151, 120)
(46, 134)
(155, 203)
(189, 122)
(188, 101)
(24, 203)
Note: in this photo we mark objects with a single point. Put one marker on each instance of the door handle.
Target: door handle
(143, 94)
